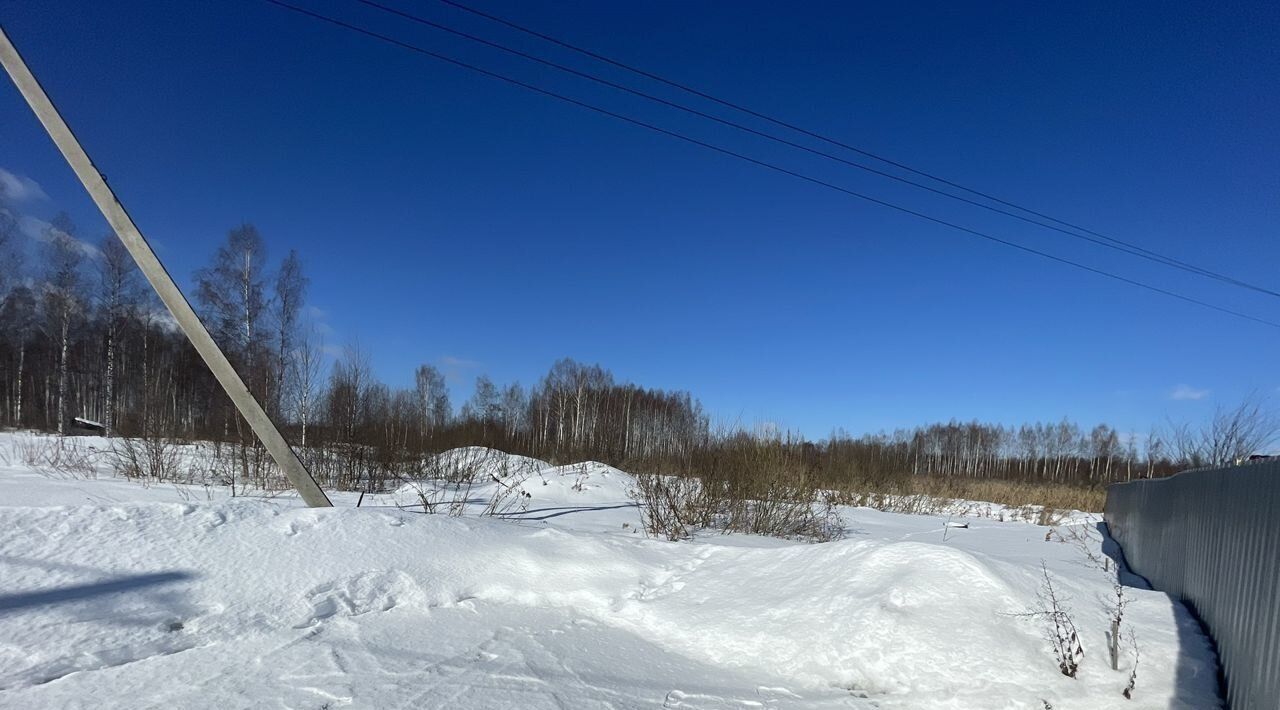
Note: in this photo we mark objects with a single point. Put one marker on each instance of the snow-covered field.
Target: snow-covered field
(114, 594)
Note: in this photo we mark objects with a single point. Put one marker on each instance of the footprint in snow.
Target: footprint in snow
(362, 594)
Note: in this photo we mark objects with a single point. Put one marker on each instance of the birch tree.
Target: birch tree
(290, 290)
(432, 397)
(63, 300)
(514, 406)
(485, 404)
(9, 254)
(305, 363)
(117, 296)
(230, 292)
(18, 321)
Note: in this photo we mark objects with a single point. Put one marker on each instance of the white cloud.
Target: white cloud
(1188, 393)
(460, 363)
(318, 319)
(20, 188)
(33, 227)
(16, 188)
(41, 231)
(162, 317)
(155, 314)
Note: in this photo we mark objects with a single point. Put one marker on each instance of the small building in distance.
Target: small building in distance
(88, 426)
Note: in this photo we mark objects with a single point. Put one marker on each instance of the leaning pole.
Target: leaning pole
(159, 278)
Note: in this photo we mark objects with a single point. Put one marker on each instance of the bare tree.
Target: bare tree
(350, 388)
(117, 296)
(230, 291)
(434, 408)
(1104, 444)
(63, 301)
(1235, 433)
(304, 366)
(1185, 445)
(485, 404)
(514, 406)
(1229, 437)
(290, 290)
(1156, 450)
(9, 255)
(18, 321)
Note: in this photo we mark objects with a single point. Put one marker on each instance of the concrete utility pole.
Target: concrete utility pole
(159, 279)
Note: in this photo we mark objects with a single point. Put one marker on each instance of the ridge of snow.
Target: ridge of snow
(249, 602)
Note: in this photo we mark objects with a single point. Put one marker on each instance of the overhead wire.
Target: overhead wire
(1055, 224)
(764, 164)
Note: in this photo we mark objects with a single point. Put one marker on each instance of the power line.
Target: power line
(776, 168)
(1057, 225)
(747, 129)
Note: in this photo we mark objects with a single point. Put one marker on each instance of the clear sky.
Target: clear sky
(448, 218)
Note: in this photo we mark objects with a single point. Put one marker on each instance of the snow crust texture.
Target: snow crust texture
(253, 603)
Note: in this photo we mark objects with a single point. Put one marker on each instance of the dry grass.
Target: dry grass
(1040, 502)
(770, 487)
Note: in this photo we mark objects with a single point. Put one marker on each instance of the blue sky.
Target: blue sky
(449, 218)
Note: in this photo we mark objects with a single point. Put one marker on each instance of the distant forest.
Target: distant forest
(82, 335)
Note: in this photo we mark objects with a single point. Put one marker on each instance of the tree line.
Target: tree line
(82, 335)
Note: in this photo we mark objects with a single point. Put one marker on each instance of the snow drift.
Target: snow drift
(257, 603)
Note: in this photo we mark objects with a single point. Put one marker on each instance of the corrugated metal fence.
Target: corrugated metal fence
(1212, 538)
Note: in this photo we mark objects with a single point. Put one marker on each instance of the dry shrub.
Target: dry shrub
(244, 467)
(750, 485)
(508, 496)
(1133, 674)
(446, 481)
(1059, 628)
(362, 467)
(150, 459)
(793, 513)
(673, 507)
(58, 456)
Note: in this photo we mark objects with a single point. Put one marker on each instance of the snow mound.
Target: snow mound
(163, 595)
(254, 593)
(485, 461)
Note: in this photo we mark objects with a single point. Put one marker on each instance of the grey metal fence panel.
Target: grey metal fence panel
(1212, 538)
